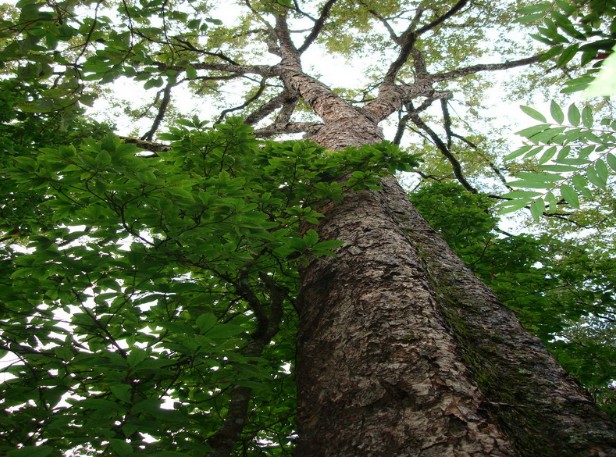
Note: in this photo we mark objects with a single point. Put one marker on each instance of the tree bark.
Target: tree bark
(402, 351)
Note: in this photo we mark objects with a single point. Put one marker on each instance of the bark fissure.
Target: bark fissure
(390, 358)
(538, 404)
(396, 330)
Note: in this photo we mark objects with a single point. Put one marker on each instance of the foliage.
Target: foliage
(604, 83)
(147, 297)
(571, 28)
(21, 134)
(158, 284)
(569, 155)
(560, 289)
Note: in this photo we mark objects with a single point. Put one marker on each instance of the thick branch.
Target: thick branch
(259, 92)
(318, 26)
(284, 115)
(344, 124)
(484, 67)
(263, 70)
(408, 38)
(439, 20)
(162, 110)
(147, 145)
(266, 109)
(310, 128)
(447, 123)
(224, 440)
(391, 97)
(442, 147)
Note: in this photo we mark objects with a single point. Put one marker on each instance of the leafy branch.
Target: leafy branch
(569, 154)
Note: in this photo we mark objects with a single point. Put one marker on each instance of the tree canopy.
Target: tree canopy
(148, 282)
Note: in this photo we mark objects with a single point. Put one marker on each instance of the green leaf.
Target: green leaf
(530, 18)
(548, 154)
(136, 356)
(559, 168)
(225, 331)
(567, 26)
(154, 82)
(568, 193)
(532, 112)
(515, 194)
(191, 72)
(549, 136)
(579, 182)
(206, 321)
(552, 52)
(594, 178)
(533, 152)
(31, 451)
(551, 201)
(539, 177)
(557, 112)
(611, 161)
(535, 8)
(567, 7)
(567, 54)
(518, 152)
(537, 208)
(587, 117)
(311, 237)
(531, 184)
(534, 130)
(121, 447)
(121, 392)
(602, 170)
(573, 115)
(512, 206)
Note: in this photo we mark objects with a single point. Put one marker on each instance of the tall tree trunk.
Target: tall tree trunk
(404, 352)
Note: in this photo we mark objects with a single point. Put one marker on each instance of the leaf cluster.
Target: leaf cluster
(572, 153)
(569, 156)
(159, 288)
(573, 27)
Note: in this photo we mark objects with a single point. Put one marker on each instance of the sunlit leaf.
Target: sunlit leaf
(568, 193)
(532, 112)
(557, 112)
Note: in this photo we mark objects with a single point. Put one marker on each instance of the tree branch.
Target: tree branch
(162, 110)
(259, 92)
(408, 38)
(263, 70)
(442, 147)
(439, 20)
(310, 128)
(269, 107)
(484, 67)
(284, 115)
(392, 34)
(224, 440)
(147, 145)
(318, 26)
(447, 122)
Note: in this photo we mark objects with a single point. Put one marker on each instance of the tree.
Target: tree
(155, 307)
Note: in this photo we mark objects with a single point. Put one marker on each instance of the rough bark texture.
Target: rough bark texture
(404, 352)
